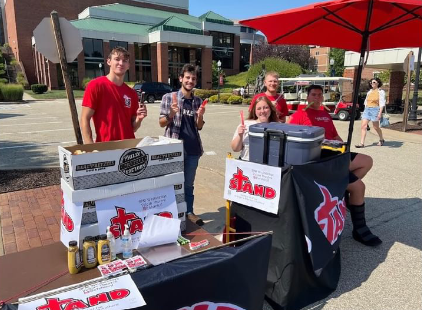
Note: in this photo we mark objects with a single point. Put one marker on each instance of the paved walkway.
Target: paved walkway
(29, 218)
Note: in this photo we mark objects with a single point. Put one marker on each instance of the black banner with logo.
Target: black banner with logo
(229, 278)
(305, 256)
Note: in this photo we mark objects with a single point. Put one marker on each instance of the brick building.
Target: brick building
(160, 35)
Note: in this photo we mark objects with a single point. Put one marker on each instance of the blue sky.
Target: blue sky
(243, 9)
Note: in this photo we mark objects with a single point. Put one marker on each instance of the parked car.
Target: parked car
(153, 90)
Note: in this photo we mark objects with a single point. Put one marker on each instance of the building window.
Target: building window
(143, 62)
(316, 53)
(93, 48)
(222, 48)
(114, 44)
(245, 52)
(250, 30)
(243, 29)
(178, 57)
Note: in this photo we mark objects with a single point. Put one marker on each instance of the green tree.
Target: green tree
(384, 76)
(282, 67)
(338, 56)
(216, 73)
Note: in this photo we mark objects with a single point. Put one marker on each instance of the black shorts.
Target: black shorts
(352, 177)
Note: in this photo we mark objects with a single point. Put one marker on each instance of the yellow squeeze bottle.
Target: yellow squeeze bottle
(74, 262)
(89, 253)
(104, 253)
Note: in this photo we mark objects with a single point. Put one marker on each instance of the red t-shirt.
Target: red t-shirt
(319, 118)
(279, 101)
(114, 108)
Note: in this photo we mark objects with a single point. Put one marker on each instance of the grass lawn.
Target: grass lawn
(234, 81)
(55, 94)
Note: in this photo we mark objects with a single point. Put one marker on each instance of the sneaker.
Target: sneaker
(196, 219)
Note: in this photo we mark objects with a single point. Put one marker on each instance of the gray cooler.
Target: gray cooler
(278, 144)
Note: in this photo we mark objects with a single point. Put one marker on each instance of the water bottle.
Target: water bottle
(127, 243)
(112, 241)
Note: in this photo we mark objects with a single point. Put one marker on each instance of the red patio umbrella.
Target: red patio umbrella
(355, 25)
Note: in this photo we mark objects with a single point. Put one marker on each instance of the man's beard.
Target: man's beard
(188, 90)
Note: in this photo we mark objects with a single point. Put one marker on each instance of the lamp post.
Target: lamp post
(333, 72)
(218, 85)
(100, 65)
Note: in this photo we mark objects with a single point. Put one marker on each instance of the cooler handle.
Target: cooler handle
(283, 139)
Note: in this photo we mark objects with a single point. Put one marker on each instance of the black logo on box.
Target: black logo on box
(96, 166)
(66, 168)
(133, 162)
(167, 156)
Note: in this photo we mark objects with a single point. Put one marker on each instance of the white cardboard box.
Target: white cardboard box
(87, 197)
(118, 161)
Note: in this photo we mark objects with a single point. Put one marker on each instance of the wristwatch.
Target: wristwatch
(168, 118)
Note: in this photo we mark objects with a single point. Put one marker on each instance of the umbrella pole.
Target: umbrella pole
(365, 36)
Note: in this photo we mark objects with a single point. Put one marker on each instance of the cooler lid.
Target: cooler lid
(297, 131)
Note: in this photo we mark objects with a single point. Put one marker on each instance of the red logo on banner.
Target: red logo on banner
(118, 222)
(67, 220)
(70, 303)
(330, 215)
(134, 222)
(207, 305)
(241, 183)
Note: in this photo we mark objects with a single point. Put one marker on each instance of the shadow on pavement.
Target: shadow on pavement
(5, 115)
(388, 143)
(25, 154)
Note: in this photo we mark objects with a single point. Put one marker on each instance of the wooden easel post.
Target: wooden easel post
(63, 64)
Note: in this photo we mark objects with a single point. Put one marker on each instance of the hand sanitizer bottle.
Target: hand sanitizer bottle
(112, 241)
(127, 243)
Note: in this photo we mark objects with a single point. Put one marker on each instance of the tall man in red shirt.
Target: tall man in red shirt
(111, 104)
(360, 164)
(271, 83)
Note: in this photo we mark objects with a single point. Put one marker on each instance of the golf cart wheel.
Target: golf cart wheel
(343, 115)
(357, 115)
(151, 99)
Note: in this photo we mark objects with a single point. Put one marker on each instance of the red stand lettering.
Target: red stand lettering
(269, 193)
(259, 190)
(247, 188)
(119, 294)
(97, 299)
(135, 226)
(76, 304)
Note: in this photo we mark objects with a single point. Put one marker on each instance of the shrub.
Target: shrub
(20, 78)
(247, 101)
(213, 99)
(3, 81)
(11, 92)
(224, 98)
(85, 81)
(39, 88)
(205, 93)
(233, 99)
